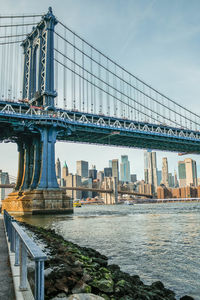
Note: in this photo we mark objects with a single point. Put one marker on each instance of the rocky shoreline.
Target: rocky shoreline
(74, 272)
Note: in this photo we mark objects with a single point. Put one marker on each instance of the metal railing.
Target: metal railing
(22, 245)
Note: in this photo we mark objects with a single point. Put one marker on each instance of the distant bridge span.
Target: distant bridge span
(109, 191)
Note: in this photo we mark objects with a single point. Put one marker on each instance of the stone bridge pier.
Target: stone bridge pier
(36, 190)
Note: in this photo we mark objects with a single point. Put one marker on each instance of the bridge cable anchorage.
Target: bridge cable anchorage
(119, 66)
(134, 87)
(121, 93)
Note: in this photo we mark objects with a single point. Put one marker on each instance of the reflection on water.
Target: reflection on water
(155, 241)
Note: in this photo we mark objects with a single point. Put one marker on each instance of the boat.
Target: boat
(127, 202)
(76, 203)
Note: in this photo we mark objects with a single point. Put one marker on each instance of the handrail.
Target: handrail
(22, 245)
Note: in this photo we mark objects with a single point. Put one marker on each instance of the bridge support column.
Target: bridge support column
(36, 163)
(48, 174)
(28, 161)
(20, 149)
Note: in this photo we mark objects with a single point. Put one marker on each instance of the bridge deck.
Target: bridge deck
(6, 281)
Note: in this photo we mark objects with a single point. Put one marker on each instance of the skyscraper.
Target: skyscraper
(100, 176)
(159, 176)
(154, 171)
(187, 172)
(191, 172)
(107, 172)
(82, 168)
(133, 177)
(150, 169)
(125, 169)
(171, 180)
(93, 173)
(58, 169)
(65, 173)
(165, 179)
(175, 179)
(146, 179)
(182, 173)
(115, 169)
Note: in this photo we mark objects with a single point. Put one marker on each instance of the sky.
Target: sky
(158, 41)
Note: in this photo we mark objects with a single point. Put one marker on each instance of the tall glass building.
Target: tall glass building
(125, 175)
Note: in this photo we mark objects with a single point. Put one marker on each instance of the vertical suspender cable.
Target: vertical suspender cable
(65, 73)
(108, 92)
(114, 98)
(100, 92)
(83, 81)
(80, 89)
(74, 77)
(56, 72)
(91, 87)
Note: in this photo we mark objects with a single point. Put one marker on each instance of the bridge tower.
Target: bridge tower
(36, 189)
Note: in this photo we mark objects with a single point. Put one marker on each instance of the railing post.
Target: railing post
(12, 239)
(23, 267)
(16, 249)
(39, 280)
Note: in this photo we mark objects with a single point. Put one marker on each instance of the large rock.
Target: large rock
(84, 297)
(104, 285)
(81, 287)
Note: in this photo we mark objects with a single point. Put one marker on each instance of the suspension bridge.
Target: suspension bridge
(56, 86)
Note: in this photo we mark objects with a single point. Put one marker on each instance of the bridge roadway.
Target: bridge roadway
(17, 119)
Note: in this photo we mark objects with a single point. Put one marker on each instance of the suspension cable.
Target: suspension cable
(119, 66)
(121, 79)
(117, 90)
(120, 100)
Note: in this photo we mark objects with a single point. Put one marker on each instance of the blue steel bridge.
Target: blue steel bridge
(56, 86)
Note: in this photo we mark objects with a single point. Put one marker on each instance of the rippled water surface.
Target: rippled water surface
(155, 241)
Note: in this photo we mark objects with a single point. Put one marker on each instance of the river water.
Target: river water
(154, 241)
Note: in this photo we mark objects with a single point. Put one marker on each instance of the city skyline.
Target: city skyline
(126, 32)
(152, 166)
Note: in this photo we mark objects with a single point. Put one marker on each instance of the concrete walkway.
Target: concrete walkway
(6, 281)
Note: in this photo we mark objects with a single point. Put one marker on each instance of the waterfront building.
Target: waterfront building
(125, 175)
(133, 178)
(73, 181)
(182, 192)
(107, 172)
(82, 168)
(58, 169)
(165, 179)
(150, 169)
(115, 169)
(65, 173)
(100, 176)
(145, 188)
(187, 172)
(93, 173)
